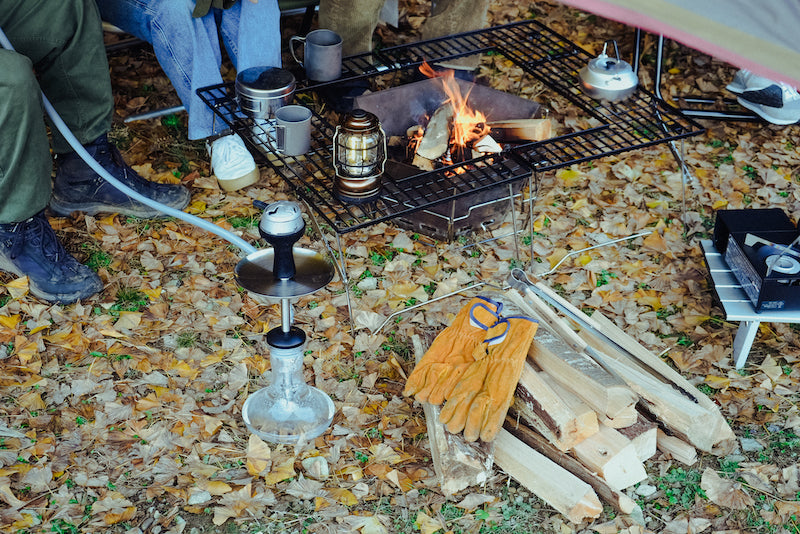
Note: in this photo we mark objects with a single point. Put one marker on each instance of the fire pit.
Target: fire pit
(638, 121)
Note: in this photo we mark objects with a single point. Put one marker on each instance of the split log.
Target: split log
(708, 431)
(559, 488)
(677, 448)
(549, 414)
(458, 464)
(606, 394)
(623, 419)
(434, 143)
(612, 456)
(643, 436)
(521, 130)
(616, 499)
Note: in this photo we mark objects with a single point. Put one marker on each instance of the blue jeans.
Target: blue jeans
(188, 49)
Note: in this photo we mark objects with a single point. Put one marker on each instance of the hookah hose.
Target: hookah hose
(85, 156)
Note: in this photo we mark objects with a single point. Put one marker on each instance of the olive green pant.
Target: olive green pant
(355, 21)
(59, 50)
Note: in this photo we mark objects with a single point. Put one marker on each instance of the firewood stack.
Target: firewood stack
(578, 431)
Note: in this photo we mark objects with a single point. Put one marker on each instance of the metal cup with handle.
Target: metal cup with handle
(322, 54)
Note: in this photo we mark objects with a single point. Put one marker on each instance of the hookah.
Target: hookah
(288, 410)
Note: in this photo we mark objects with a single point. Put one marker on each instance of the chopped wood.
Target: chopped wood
(559, 488)
(623, 419)
(436, 139)
(546, 411)
(643, 436)
(458, 464)
(612, 456)
(521, 130)
(606, 394)
(711, 431)
(677, 448)
(616, 499)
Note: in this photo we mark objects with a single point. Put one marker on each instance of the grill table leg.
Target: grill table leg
(743, 341)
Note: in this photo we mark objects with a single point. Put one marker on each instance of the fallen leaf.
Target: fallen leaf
(725, 492)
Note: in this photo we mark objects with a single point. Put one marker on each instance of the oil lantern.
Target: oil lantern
(359, 146)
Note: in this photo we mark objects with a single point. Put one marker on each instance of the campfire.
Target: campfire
(445, 121)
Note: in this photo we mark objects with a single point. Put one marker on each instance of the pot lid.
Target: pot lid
(265, 82)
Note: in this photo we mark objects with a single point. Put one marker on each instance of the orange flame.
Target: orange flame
(468, 125)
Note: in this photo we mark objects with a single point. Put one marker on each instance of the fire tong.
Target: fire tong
(538, 292)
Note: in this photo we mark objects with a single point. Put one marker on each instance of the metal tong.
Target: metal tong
(519, 280)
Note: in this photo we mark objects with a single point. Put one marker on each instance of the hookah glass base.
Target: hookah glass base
(288, 410)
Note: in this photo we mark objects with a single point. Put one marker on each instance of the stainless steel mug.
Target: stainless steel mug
(322, 54)
(293, 130)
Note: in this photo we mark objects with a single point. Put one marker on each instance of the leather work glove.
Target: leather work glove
(478, 404)
(440, 369)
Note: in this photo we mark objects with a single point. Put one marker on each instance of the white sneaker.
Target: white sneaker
(744, 80)
(777, 103)
(231, 163)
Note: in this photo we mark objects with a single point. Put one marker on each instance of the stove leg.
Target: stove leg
(514, 221)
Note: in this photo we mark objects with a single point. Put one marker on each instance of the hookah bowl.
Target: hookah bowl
(287, 410)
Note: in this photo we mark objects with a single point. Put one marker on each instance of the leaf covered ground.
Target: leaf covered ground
(122, 413)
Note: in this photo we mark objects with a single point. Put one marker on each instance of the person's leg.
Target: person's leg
(28, 245)
(454, 16)
(64, 40)
(25, 162)
(187, 49)
(355, 21)
(251, 33)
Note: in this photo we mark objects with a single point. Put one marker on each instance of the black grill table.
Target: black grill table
(639, 121)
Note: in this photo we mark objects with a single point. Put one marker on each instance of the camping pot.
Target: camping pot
(607, 78)
(262, 90)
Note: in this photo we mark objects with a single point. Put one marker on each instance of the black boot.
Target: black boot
(30, 248)
(78, 188)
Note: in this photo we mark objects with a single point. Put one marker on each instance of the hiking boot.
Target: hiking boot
(78, 188)
(778, 103)
(231, 163)
(30, 248)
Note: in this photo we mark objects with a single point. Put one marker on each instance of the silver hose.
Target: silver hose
(85, 156)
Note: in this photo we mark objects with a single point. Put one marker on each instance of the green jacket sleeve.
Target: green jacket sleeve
(201, 7)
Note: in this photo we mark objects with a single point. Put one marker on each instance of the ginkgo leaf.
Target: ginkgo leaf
(281, 471)
(725, 492)
(259, 455)
(18, 287)
(426, 524)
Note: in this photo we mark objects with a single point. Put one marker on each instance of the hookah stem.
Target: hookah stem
(286, 315)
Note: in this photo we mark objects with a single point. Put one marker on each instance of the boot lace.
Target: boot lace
(51, 247)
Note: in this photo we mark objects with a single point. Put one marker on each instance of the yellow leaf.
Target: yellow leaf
(27, 351)
(281, 472)
(185, 370)
(717, 382)
(583, 259)
(320, 503)
(31, 401)
(128, 320)
(110, 332)
(344, 496)
(28, 520)
(18, 288)
(112, 518)
(580, 203)
(198, 206)
(674, 70)
(352, 471)
(571, 177)
(538, 224)
(258, 455)
(152, 294)
(211, 424)
(426, 524)
(655, 204)
(719, 204)
(656, 242)
(214, 487)
(557, 255)
(9, 322)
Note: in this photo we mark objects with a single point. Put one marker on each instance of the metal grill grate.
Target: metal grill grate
(636, 122)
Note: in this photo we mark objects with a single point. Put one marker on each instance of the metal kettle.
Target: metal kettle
(607, 78)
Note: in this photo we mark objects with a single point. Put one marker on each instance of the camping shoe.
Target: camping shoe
(231, 163)
(79, 188)
(30, 248)
(778, 103)
(744, 80)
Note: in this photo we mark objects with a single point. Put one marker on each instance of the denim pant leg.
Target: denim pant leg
(64, 40)
(25, 161)
(251, 32)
